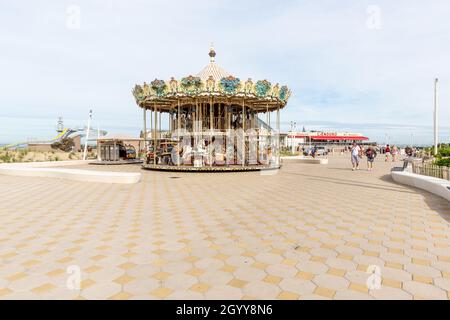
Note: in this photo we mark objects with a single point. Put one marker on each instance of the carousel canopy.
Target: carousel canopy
(212, 70)
(211, 84)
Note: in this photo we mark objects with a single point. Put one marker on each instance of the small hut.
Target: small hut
(119, 149)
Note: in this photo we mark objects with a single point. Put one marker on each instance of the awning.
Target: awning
(340, 138)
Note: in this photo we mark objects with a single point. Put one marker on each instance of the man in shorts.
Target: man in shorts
(355, 153)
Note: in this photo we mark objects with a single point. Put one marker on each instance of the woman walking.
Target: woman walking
(394, 153)
(370, 154)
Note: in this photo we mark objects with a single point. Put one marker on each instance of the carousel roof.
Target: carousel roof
(212, 69)
(212, 82)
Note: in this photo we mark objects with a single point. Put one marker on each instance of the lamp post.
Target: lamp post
(293, 136)
(436, 117)
(87, 135)
(98, 146)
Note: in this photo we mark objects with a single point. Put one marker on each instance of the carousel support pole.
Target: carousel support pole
(159, 124)
(219, 117)
(194, 124)
(211, 115)
(269, 135)
(151, 122)
(243, 133)
(154, 134)
(278, 135)
(144, 133)
(178, 133)
(211, 127)
(257, 137)
(228, 134)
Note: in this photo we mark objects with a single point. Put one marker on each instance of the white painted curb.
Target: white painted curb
(437, 186)
(300, 159)
(44, 169)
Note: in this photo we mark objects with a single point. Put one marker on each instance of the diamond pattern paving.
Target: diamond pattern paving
(306, 232)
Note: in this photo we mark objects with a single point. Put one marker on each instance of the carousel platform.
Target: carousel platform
(234, 168)
(118, 162)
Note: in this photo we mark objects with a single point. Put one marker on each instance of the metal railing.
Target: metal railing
(429, 169)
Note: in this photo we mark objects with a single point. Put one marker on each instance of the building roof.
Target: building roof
(328, 136)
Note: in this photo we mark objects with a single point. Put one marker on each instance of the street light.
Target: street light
(87, 135)
(436, 117)
(293, 135)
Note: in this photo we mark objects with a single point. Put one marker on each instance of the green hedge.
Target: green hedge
(443, 162)
(444, 152)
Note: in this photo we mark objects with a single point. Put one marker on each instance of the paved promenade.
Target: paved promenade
(307, 232)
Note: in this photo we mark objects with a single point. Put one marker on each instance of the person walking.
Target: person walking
(370, 154)
(355, 153)
(313, 151)
(387, 151)
(394, 152)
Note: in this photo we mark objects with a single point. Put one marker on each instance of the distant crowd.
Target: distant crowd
(358, 152)
(389, 152)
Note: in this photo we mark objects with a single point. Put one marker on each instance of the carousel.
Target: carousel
(214, 121)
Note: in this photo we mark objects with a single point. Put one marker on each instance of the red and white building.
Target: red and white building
(323, 138)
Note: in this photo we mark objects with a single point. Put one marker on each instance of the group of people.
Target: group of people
(357, 152)
(393, 152)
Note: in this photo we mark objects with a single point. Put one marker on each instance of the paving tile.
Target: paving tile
(180, 239)
(224, 292)
(331, 282)
(249, 274)
(423, 290)
(390, 293)
(261, 290)
(298, 286)
(101, 291)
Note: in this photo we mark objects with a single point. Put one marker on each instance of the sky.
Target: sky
(349, 63)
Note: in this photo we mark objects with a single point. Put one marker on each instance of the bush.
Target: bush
(443, 162)
(444, 152)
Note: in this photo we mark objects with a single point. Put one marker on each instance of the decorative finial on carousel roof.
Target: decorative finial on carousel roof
(212, 53)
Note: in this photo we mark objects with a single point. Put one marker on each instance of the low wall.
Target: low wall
(47, 169)
(437, 186)
(300, 159)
